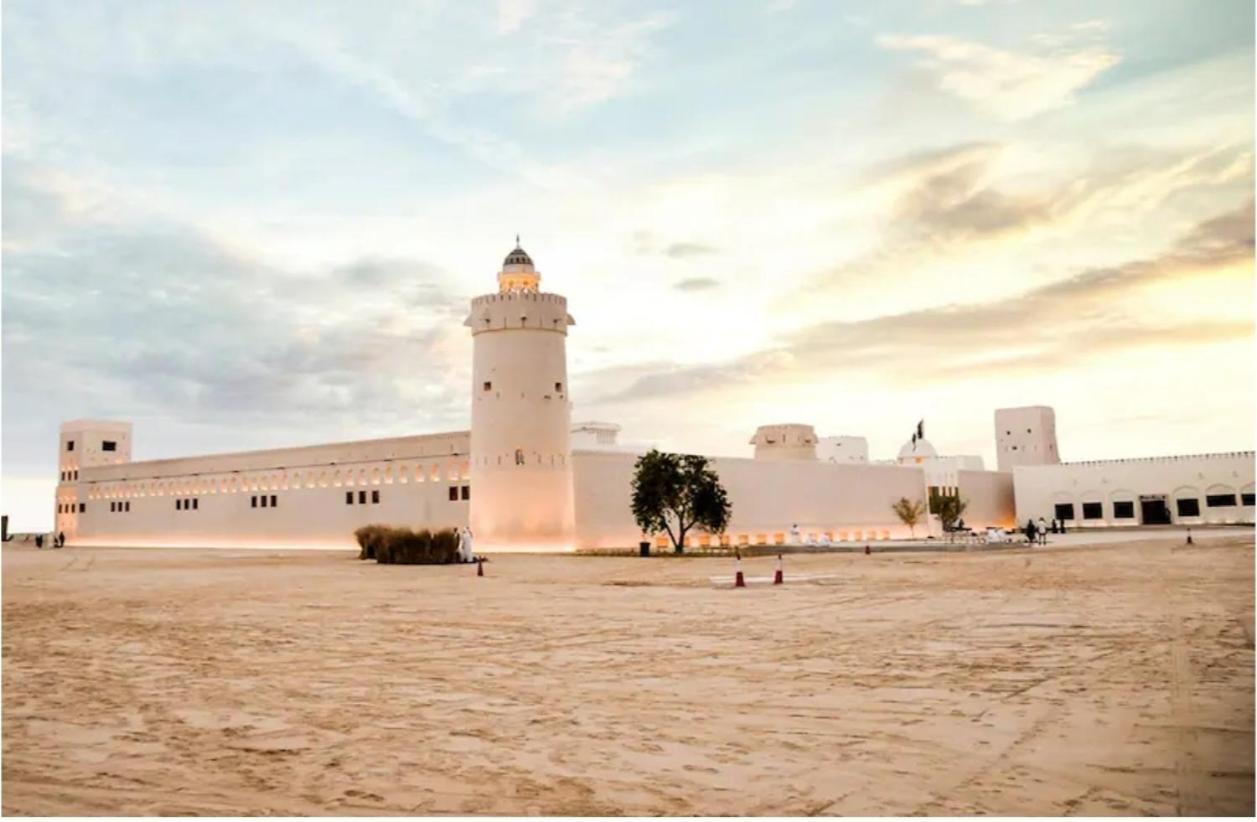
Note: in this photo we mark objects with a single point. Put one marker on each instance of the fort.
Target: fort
(526, 479)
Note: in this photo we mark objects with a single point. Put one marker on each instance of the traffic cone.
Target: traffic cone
(479, 567)
(780, 576)
(867, 551)
(739, 581)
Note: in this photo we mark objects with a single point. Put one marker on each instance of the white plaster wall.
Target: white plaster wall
(990, 496)
(1039, 488)
(851, 502)
(413, 476)
(1025, 436)
(842, 449)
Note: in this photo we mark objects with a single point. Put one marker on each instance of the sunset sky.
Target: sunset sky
(245, 225)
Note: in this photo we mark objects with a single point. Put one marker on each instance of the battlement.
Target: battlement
(534, 310)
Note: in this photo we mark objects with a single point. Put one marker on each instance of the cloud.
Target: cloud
(1009, 85)
(152, 319)
(679, 250)
(954, 203)
(1059, 325)
(697, 284)
(513, 13)
(599, 62)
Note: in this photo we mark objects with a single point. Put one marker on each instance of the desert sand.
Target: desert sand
(1115, 679)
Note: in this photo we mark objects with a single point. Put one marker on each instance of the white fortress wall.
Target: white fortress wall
(848, 501)
(1126, 491)
(225, 500)
(990, 497)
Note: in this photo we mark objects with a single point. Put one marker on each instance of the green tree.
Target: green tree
(909, 512)
(950, 507)
(674, 493)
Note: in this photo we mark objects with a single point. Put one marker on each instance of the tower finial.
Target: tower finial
(517, 239)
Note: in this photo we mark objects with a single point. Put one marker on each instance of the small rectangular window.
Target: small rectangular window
(253, 501)
(1247, 499)
(375, 496)
(1220, 500)
(1092, 510)
(466, 492)
(82, 507)
(1188, 507)
(453, 493)
(362, 497)
(178, 505)
(558, 386)
(349, 497)
(128, 505)
(69, 445)
(108, 445)
(273, 501)
(488, 386)
(1064, 510)
(196, 503)
(1123, 510)
(113, 506)
(264, 500)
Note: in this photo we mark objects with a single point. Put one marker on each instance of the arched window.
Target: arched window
(519, 456)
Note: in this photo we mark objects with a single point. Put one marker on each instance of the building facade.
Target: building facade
(525, 479)
(1194, 489)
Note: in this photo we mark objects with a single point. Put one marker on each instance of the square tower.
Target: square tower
(1025, 436)
(88, 443)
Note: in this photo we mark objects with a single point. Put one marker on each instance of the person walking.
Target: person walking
(39, 541)
(61, 539)
(1042, 530)
(1030, 531)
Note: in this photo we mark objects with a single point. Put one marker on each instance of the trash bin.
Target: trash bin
(644, 548)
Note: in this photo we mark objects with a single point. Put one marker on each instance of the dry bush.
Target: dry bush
(402, 546)
(369, 539)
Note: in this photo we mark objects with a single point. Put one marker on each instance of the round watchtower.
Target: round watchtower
(521, 459)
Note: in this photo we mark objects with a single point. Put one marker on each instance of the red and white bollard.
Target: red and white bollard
(739, 581)
(779, 577)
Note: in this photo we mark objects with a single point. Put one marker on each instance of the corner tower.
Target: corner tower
(1025, 436)
(521, 457)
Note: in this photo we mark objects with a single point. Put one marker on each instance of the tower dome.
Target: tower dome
(518, 256)
(518, 272)
(917, 451)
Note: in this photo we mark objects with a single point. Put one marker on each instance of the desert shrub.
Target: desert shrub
(369, 539)
(444, 546)
(402, 546)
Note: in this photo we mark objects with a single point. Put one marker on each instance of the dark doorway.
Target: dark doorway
(1154, 511)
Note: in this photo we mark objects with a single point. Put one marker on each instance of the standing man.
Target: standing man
(1042, 531)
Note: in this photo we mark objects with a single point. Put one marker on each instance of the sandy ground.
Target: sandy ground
(1106, 680)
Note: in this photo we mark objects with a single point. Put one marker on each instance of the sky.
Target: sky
(248, 225)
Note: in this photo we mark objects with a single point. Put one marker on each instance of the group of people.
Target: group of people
(1036, 532)
(58, 540)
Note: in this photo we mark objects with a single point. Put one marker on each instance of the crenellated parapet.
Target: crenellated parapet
(519, 310)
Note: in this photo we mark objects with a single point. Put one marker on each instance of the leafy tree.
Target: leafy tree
(909, 512)
(950, 507)
(674, 493)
